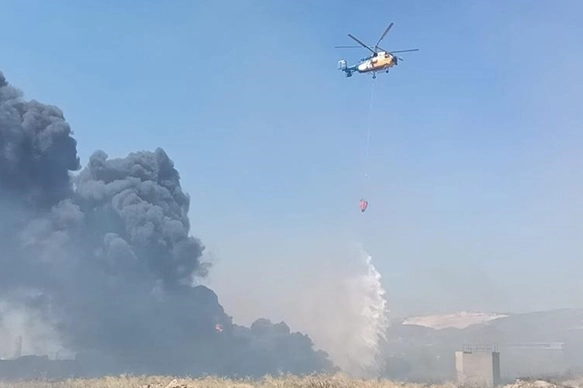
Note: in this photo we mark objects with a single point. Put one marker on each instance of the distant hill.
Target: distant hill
(422, 347)
(459, 320)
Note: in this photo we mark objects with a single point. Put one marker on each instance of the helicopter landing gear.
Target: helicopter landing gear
(374, 75)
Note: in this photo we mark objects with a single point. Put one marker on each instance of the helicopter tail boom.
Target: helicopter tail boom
(344, 67)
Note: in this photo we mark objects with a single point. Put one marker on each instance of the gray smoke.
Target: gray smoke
(106, 258)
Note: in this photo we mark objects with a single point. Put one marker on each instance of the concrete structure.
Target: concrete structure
(478, 366)
(18, 347)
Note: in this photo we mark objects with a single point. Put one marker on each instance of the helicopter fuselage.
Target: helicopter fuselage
(380, 62)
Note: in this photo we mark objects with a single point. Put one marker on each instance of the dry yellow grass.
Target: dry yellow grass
(335, 381)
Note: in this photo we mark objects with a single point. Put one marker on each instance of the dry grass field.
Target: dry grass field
(336, 381)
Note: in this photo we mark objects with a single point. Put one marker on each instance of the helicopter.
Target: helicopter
(380, 60)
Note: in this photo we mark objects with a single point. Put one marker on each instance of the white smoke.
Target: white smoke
(335, 295)
(38, 337)
(344, 310)
(368, 305)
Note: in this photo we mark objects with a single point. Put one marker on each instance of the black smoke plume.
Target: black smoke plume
(106, 257)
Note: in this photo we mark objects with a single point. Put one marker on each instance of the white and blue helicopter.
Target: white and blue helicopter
(380, 60)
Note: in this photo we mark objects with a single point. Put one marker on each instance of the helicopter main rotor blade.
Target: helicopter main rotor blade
(383, 35)
(403, 51)
(362, 44)
(398, 51)
(347, 47)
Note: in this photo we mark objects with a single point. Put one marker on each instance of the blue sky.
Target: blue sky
(475, 164)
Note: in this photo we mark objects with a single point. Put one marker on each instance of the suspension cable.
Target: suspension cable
(368, 130)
